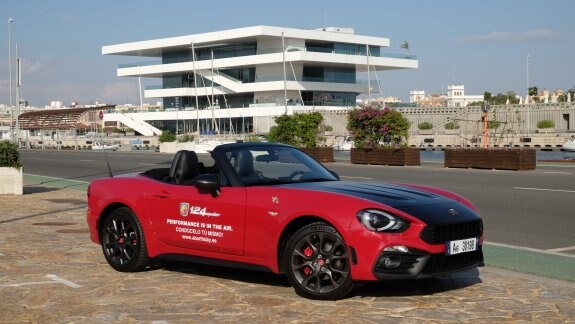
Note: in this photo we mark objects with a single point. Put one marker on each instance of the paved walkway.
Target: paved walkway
(50, 272)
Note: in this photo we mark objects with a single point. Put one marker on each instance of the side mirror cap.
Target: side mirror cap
(207, 182)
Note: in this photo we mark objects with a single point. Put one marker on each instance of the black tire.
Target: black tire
(317, 263)
(123, 241)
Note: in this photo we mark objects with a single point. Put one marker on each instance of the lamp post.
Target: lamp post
(196, 90)
(528, 107)
(10, 21)
(18, 84)
(527, 74)
(284, 69)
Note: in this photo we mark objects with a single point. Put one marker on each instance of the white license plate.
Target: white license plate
(461, 246)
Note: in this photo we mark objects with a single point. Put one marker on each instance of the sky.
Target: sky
(486, 45)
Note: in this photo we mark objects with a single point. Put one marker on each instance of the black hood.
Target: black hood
(431, 208)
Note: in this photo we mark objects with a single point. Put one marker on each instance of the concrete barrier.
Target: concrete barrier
(11, 181)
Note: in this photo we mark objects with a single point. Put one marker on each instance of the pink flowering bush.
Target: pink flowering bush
(373, 127)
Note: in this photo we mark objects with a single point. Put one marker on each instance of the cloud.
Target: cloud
(32, 66)
(120, 92)
(495, 37)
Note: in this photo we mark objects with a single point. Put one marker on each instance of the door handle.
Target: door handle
(162, 194)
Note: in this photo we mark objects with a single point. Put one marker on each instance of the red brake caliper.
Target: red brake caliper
(308, 252)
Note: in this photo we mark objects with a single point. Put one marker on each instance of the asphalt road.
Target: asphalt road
(533, 209)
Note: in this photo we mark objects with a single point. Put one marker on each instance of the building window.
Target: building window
(328, 74)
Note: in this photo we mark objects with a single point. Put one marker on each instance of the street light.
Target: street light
(528, 98)
(527, 76)
(10, 21)
(196, 91)
(284, 69)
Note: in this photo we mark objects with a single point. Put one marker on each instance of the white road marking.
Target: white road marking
(36, 175)
(86, 160)
(541, 189)
(63, 281)
(530, 249)
(55, 280)
(28, 284)
(356, 178)
(562, 249)
(556, 172)
(558, 165)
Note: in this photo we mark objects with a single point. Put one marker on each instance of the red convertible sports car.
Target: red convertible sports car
(272, 207)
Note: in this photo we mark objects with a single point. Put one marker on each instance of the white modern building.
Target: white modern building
(234, 80)
(416, 96)
(456, 96)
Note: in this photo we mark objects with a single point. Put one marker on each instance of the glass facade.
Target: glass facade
(188, 102)
(185, 80)
(322, 98)
(236, 125)
(341, 48)
(176, 57)
(226, 51)
(203, 54)
(248, 75)
(329, 74)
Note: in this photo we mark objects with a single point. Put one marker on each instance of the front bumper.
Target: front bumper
(92, 221)
(418, 264)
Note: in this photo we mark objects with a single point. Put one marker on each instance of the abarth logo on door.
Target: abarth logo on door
(184, 209)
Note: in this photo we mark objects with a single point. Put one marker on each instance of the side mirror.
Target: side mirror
(208, 182)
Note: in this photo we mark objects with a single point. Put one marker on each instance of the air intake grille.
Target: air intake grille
(439, 263)
(439, 234)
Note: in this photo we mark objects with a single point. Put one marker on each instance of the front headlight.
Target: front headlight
(379, 221)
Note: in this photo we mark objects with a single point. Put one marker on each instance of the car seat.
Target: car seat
(244, 167)
(185, 167)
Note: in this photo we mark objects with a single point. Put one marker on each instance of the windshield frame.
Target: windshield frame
(224, 156)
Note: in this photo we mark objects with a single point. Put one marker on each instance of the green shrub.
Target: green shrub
(425, 125)
(493, 124)
(9, 155)
(254, 138)
(167, 136)
(452, 125)
(373, 127)
(299, 129)
(545, 123)
(186, 138)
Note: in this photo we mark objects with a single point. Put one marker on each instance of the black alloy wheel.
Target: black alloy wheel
(123, 241)
(317, 263)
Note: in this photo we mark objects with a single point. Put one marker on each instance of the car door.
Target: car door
(186, 217)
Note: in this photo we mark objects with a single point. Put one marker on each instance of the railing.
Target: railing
(275, 51)
(373, 83)
(137, 64)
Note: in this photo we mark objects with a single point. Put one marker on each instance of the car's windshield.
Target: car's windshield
(264, 165)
